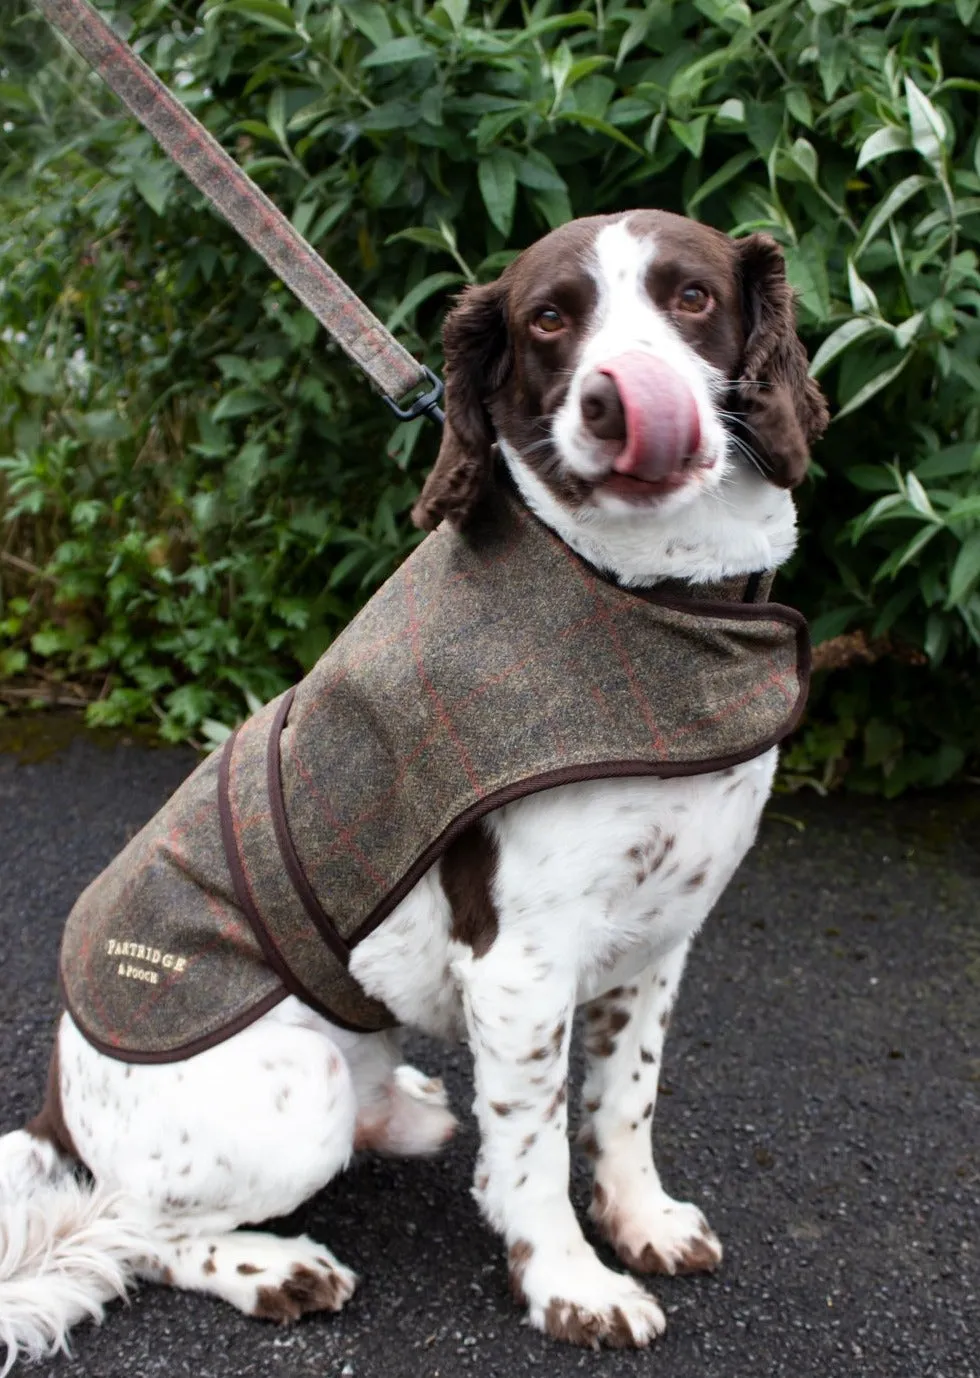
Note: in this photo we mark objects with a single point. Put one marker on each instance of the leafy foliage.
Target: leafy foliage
(198, 490)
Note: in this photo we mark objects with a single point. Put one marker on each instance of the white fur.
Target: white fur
(626, 319)
(600, 888)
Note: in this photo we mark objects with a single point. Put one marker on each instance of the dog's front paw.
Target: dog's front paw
(579, 1300)
(659, 1236)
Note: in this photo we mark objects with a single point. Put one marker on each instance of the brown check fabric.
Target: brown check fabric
(490, 666)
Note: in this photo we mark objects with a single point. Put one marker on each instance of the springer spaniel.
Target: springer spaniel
(641, 378)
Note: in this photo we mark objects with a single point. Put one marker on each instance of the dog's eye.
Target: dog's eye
(693, 300)
(548, 321)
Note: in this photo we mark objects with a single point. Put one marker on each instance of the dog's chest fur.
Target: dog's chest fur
(601, 878)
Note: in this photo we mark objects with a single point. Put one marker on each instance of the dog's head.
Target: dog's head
(629, 360)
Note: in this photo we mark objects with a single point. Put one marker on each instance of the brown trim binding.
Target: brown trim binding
(243, 898)
(185, 1050)
(287, 849)
(609, 770)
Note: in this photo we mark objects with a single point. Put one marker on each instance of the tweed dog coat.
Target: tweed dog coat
(493, 664)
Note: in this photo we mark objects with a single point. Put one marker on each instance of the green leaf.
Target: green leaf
(457, 10)
(806, 271)
(863, 299)
(919, 498)
(731, 111)
(871, 478)
(278, 18)
(881, 143)
(842, 338)
(915, 546)
(951, 461)
(886, 208)
(592, 122)
(537, 170)
(422, 291)
(154, 180)
(965, 509)
(966, 11)
(239, 402)
(798, 105)
(928, 130)
(369, 17)
(804, 155)
(497, 176)
(384, 179)
(690, 133)
(41, 379)
(634, 34)
(103, 425)
(725, 174)
(872, 387)
(421, 234)
(966, 571)
(397, 52)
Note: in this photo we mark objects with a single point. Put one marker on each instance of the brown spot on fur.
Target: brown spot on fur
(248, 1269)
(575, 1325)
(167, 1277)
(593, 1105)
(208, 1267)
(665, 1019)
(501, 1107)
(618, 1019)
(537, 1055)
(648, 1110)
(527, 1143)
(467, 870)
(49, 1124)
(558, 1036)
(557, 1100)
(304, 1290)
(603, 1046)
(518, 1257)
(646, 1055)
(695, 881)
(588, 1142)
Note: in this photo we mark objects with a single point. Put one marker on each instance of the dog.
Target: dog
(637, 383)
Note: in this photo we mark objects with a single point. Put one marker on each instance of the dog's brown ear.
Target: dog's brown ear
(478, 359)
(783, 409)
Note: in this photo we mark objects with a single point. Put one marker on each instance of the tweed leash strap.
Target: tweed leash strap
(248, 210)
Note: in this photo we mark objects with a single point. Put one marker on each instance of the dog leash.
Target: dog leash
(249, 211)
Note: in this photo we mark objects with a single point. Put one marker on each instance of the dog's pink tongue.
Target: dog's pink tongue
(662, 427)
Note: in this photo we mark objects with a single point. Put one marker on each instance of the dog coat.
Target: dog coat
(493, 664)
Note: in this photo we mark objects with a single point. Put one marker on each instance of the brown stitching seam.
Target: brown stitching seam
(184, 1050)
(243, 898)
(287, 848)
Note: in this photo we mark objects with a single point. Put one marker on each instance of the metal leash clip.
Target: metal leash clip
(426, 405)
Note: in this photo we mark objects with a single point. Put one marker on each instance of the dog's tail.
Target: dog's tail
(66, 1248)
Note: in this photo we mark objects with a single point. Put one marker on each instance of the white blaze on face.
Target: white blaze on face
(627, 321)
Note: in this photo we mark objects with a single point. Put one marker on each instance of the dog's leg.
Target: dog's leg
(245, 1131)
(624, 1036)
(265, 1276)
(519, 1016)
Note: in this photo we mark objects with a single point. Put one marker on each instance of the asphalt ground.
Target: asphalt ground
(820, 1102)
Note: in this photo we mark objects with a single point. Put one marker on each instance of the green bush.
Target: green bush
(198, 490)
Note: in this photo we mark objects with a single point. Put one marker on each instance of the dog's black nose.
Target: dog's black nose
(602, 407)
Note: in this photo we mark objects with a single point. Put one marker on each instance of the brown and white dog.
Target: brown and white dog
(642, 377)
